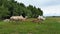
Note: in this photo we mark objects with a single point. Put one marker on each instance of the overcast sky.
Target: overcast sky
(49, 7)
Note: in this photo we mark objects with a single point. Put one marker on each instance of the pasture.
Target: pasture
(49, 26)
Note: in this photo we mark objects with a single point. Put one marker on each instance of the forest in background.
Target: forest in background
(10, 8)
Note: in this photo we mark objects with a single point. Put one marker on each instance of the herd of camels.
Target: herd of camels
(21, 18)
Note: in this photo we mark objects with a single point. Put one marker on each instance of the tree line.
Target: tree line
(10, 8)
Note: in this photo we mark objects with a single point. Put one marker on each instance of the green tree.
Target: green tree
(13, 8)
(35, 11)
(4, 13)
(40, 12)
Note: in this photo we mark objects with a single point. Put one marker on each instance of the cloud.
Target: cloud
(40, 3)
(52, 10)
(51, 3)
(49, 7)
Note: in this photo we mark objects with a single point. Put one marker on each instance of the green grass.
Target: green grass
(49, 26)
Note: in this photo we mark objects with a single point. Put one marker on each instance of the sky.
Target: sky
(49, 7)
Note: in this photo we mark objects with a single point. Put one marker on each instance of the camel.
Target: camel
(18, 18)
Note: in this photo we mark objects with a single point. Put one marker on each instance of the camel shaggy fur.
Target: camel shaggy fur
(6, 20)
(41, 18)
(17, 18)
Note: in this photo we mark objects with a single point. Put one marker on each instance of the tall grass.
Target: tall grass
(49, 26)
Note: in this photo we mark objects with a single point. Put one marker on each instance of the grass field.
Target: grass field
(49, 26)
